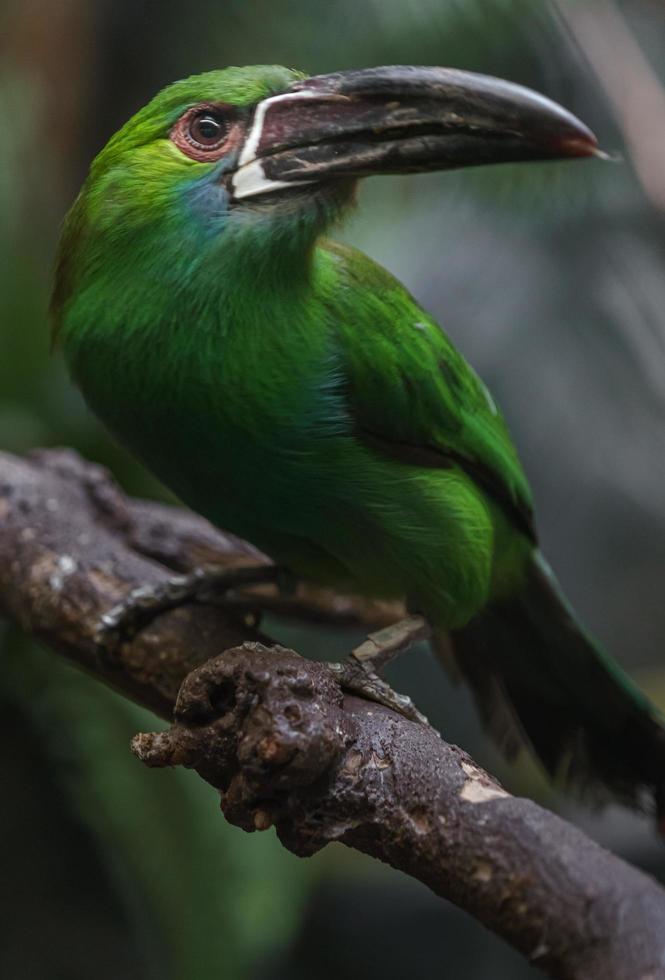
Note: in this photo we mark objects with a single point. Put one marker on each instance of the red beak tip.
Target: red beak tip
(582, 146)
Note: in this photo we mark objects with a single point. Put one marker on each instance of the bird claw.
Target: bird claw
(364, 682)
(207, 584)
(210, 583)
(358, 673)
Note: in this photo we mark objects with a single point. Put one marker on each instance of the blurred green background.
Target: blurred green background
(549, 278)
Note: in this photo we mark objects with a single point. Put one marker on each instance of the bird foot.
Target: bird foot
(207, 584)
(358, 673)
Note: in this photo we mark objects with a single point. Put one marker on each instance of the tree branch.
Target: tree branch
(274, 733)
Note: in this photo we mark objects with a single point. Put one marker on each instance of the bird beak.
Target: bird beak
(400, 119)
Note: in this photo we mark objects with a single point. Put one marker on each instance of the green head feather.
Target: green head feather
(146, 204)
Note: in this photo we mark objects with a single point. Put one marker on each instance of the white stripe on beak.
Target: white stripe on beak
(250, 179)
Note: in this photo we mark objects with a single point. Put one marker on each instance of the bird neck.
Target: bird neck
(178, 265)
(273, 246)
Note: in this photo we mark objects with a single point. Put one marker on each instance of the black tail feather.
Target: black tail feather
(538, 678)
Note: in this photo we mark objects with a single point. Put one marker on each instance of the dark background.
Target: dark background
(549, 278)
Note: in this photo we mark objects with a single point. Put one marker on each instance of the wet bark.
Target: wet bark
(283, 744)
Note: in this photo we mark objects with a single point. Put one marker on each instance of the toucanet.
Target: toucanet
(294, 393)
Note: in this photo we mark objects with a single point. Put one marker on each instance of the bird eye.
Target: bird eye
(207, 132)
(207, 129)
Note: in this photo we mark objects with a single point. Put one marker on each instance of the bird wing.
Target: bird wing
(411, 394)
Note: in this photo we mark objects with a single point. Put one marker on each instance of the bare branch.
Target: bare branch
(73, 545)
(277, 737)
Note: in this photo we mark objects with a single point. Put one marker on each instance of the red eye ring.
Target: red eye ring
(208, 131)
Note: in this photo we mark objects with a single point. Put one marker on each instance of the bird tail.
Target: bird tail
(538, 678)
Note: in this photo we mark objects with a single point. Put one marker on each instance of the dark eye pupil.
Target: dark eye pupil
(207, 129)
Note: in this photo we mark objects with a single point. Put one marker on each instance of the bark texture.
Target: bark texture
(284, 746)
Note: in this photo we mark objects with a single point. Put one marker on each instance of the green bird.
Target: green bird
(294, 393)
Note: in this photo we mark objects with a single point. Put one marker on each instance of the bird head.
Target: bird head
(274, 156)
(258, 134)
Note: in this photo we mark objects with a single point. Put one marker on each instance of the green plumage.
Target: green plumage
(294, 393)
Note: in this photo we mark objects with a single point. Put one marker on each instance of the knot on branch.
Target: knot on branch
(260, 724)
(270, 731)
